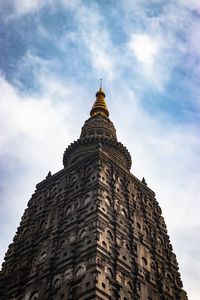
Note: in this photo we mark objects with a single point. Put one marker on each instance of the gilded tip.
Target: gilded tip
(100, 89)
(100, 84)
(99, 105)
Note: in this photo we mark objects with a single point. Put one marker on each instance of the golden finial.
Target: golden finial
(99, 106)
(100, 83)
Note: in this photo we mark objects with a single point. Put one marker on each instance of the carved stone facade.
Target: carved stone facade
(92, 230)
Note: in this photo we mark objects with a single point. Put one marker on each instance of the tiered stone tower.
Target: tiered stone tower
(92, 230)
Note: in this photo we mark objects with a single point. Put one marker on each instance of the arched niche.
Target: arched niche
(108, 200)
(52, 222)
(80, 271)
(57, 281)
(73, 180)
(89, 170)
(68, 274)
(153, 266)
(34, 295)
(68, 210)
(82, 234)
(159, 240)
(109, 235)
(26, 234)
(72, 237)
(86, 200)
(43, 255)
(124, 213)
(144, 261)
(129, 285)
(54, 191)
(104, 244)
(110, 272)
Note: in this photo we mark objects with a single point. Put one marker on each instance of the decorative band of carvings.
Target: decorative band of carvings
(103, 141)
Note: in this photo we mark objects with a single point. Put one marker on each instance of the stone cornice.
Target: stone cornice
(101, 141)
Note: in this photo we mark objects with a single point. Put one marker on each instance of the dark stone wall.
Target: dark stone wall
(92, 231)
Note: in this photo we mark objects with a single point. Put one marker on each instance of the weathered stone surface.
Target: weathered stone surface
(92, 231)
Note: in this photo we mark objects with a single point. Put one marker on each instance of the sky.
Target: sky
(52, 55)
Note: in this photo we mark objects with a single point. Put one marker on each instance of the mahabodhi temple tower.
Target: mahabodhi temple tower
(92, 230)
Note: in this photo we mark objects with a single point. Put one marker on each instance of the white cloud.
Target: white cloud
(36, 132)
(26, 6)
(34, 137)
(21, 7)
(95, 39)
(144, 48)
(161, 40)
(146, 53)
(34, 118)
(167, 155)
(191, 4)
(38, 128)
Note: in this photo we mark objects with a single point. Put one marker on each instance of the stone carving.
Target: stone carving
(92, 230)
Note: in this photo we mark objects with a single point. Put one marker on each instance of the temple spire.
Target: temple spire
(99, 106)
(100, 83)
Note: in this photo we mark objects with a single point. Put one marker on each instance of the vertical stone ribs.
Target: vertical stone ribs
(92, 230)
(140, 256)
